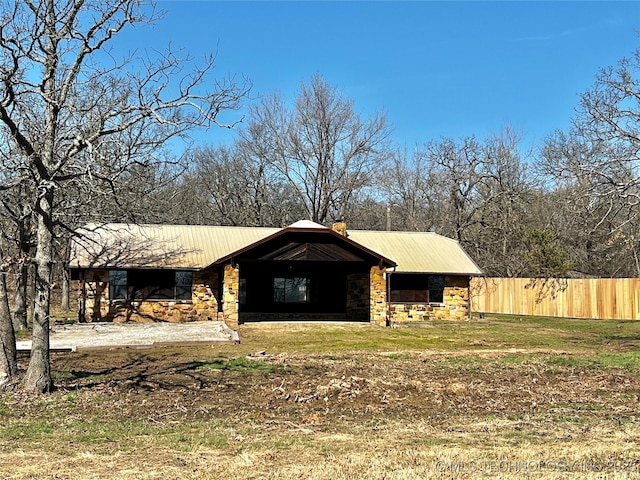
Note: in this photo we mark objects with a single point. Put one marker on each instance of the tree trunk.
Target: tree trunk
(38, 377)
(20, 299)
(64, 304)
(32, 286)
(8, 358)
(65, 289)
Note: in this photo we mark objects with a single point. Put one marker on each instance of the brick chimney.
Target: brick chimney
(340, 227)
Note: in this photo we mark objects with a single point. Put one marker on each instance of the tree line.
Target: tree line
(566, 207)
(87, 137)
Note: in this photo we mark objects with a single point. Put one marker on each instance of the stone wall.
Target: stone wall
(455, 306)
(202, 306)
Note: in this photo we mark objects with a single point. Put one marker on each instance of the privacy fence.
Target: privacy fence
(601, 298)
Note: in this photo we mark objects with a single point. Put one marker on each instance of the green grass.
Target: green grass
(240, 364)
(627, 360)
(500, 331)
(30, 429)
(59, 427)
(200, 435)
(62, 375)
(587, 407)
(399, 356)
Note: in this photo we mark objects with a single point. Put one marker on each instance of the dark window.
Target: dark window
(184, 281)
(436, 288)
(416, 288)
(117, 284)
(291, 290)
(150, 285)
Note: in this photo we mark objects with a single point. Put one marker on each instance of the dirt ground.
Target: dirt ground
(326, 415)
(316, 390)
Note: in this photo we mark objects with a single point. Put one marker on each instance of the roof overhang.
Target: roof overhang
(313, 232)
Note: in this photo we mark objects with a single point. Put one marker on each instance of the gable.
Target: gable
(298, 244)
(311, 252)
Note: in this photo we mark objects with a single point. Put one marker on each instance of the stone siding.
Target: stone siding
(455, 306)
(99, 308)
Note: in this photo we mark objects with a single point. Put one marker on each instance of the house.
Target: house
(305, 271)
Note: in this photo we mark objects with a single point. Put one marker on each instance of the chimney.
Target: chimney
(340, 227)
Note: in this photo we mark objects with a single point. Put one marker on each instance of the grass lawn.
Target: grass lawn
(501, 397)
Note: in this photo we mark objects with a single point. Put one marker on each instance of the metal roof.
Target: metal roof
(192, 247)
(418, 251)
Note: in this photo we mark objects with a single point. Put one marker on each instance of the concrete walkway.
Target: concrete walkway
(106, 335)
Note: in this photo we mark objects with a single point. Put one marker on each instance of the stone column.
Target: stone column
(230, 286)
(378, 292)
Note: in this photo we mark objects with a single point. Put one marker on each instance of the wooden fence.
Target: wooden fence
(601, 298)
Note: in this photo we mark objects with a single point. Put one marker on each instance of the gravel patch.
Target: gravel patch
(100, 335)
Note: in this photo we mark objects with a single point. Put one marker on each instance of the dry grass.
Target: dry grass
(505, 398)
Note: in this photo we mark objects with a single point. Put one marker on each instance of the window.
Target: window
(117, 284)
(183, 285)
(150, 285)
(291, 290)
(435, 283)
(416, 288)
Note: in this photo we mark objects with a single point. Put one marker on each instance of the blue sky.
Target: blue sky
(438, 69)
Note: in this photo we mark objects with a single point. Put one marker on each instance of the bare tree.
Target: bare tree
(596, 166)
(237, 188)
(411, 203)
(8, 356)
(16, 194)
(78, 113)
(478, 192)
(597, 225)
(321, 147)
(505, 197)
(455, 171)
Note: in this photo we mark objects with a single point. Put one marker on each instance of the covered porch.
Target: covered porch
(306, 275)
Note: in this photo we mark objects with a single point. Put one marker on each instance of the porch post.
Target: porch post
(230, 284)
(379, 305)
